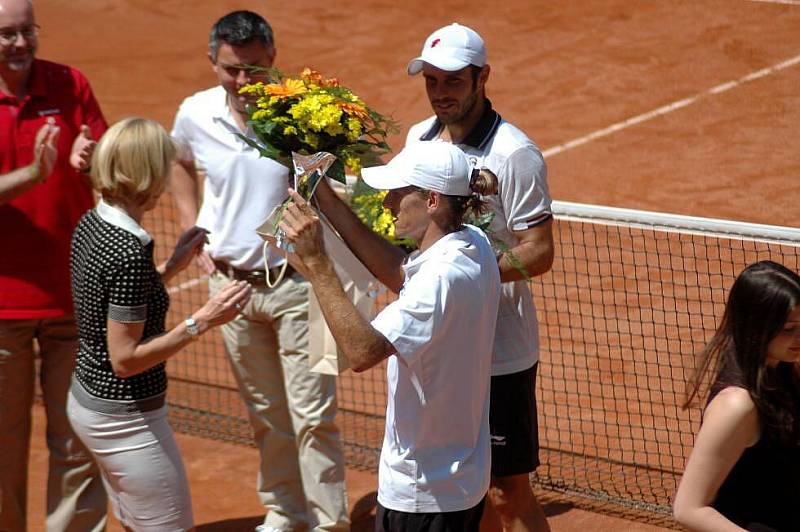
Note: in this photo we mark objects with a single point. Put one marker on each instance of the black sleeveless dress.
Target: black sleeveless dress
(762, 491)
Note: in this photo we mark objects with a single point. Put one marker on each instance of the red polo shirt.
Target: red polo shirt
(36, 226)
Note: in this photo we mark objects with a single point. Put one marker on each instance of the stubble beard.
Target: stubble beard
(462, 114)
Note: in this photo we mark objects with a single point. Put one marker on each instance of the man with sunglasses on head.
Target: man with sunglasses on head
(292, 409)
(49, 119)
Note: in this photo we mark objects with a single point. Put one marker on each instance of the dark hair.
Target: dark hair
(483, 182)
(759, 303)
(239, 28)
(475, 71)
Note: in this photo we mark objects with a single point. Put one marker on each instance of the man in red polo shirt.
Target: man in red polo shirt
(37, 215)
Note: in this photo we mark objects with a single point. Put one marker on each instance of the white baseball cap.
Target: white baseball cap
(430, 165)
(451, 48)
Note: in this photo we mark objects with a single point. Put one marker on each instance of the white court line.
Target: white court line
(784, 2)
(187, 284)
(674, 106)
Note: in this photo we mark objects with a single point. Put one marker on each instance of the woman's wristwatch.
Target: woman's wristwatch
(192, 328)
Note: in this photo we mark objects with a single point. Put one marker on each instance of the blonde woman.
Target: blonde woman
(117, 399)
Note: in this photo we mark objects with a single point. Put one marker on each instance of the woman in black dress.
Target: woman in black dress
(744, 470)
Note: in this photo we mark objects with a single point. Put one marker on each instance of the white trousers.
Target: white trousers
(292, 410)
(140, 464)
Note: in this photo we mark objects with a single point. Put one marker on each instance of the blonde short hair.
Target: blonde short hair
(132, 161)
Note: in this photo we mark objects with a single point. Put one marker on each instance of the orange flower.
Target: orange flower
(315, 78)
(287, 89)
(354, 109)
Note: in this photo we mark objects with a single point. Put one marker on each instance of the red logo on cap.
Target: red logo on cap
(435, 42)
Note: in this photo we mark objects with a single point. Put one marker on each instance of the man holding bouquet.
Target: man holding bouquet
(292, 410)
(437, 335)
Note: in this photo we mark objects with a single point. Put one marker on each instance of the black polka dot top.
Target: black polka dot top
(114, 277)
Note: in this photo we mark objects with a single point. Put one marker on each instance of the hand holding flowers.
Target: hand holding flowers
(300, 122)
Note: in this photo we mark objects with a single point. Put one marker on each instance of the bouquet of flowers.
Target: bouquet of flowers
(315, 127)
(312, 114)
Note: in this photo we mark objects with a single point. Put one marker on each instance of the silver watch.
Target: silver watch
(192, 328)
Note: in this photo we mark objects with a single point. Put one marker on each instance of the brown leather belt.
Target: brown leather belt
(254, 277)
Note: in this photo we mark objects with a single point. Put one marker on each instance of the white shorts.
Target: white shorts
(141, 466)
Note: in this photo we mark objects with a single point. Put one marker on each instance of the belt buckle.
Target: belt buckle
(255, 277)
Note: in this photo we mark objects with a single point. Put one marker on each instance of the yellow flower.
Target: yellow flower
(354, 130)
(317, 111)
(254, 89)
(369, 208)
(311, 139)
(353, 163)
(307, 106)
(384, 224)
(290, 130)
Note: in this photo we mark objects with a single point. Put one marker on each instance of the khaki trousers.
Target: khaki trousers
(76, 499)
(291, 409)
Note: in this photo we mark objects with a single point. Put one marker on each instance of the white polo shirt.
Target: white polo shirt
(523, 201)
(241, 188)
(435, 455)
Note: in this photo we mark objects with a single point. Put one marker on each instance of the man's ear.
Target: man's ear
(434, 201)
(483, 77)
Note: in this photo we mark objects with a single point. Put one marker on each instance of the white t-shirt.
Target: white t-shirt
(435, 455)
(241, 188)
(523, 201)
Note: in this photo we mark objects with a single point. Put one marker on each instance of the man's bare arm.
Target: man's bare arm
(360, 342)
(381, 258)
(18, 182)
(185, 192)
(534, 253)
(45, 153)
(184, 188)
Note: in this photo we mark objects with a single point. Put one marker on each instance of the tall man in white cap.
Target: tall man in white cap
(453, 64)
(434, 466)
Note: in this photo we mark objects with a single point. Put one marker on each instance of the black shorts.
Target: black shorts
(468, 520)
(513, 423)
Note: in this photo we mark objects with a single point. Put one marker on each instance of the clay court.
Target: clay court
(681, 106)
